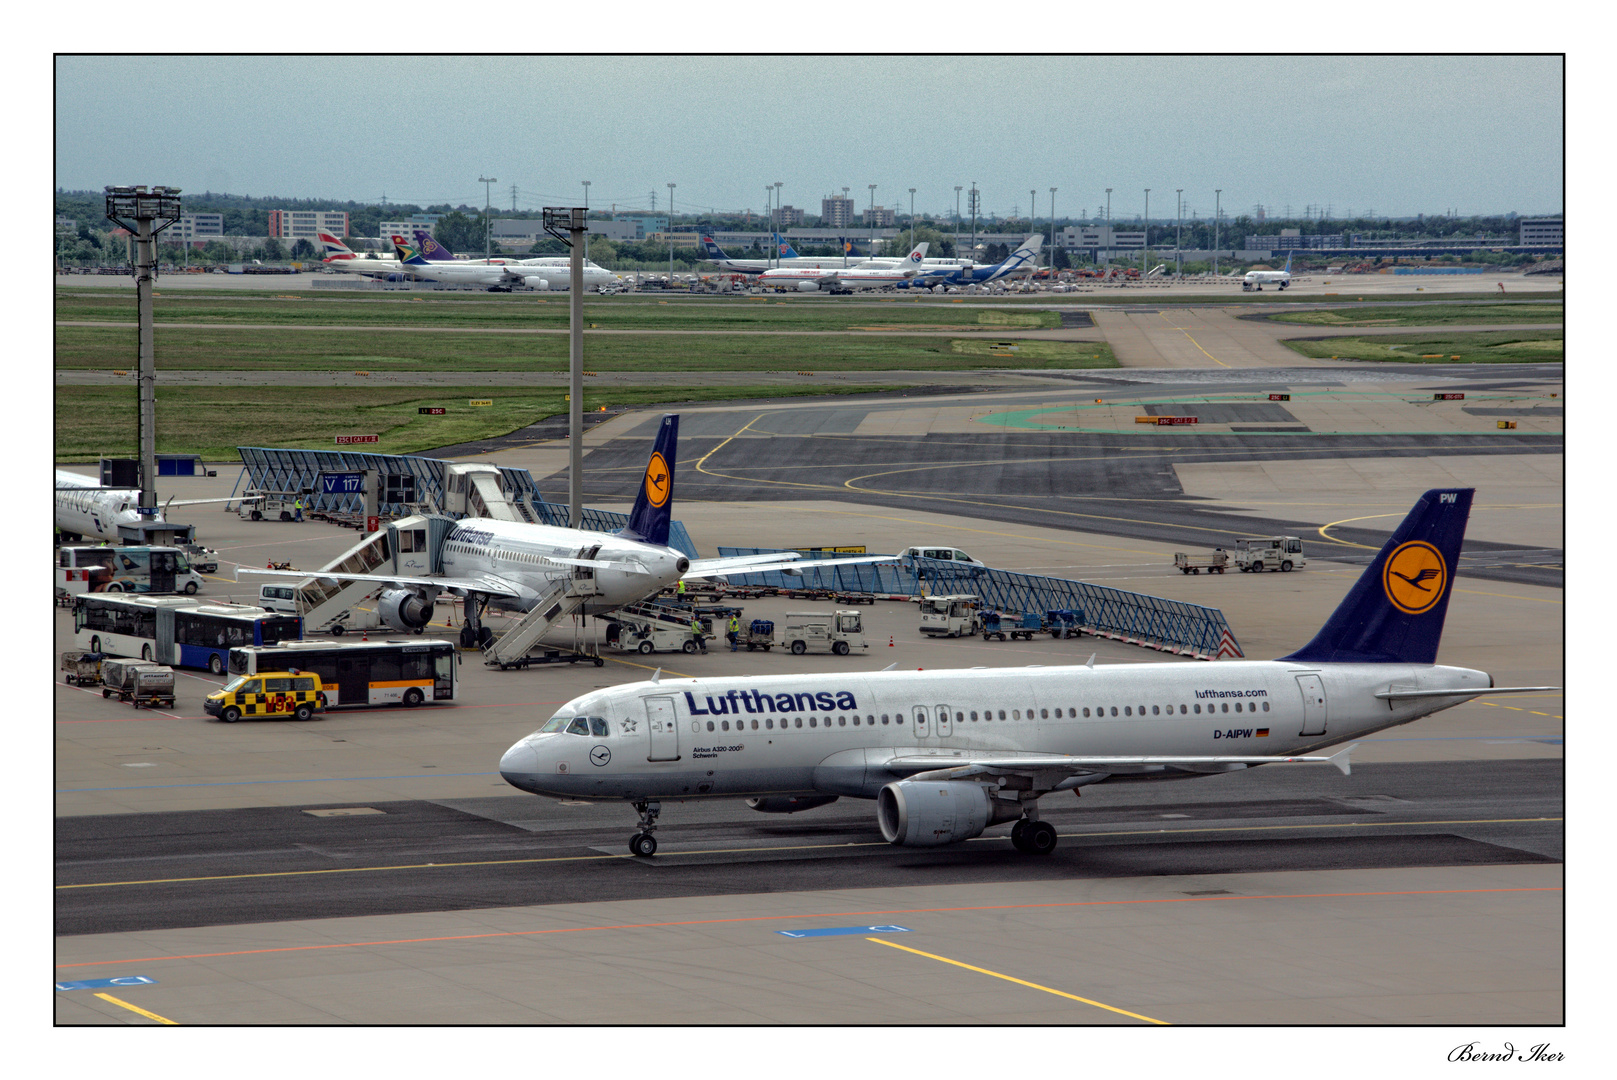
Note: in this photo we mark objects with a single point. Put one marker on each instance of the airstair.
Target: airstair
(655, 616)
(408, 547)
(479, 491)
(561, 600)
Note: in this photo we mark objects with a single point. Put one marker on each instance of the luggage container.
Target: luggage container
(1001, 625)
(139, 682)
(82, 668)
(1213, 563)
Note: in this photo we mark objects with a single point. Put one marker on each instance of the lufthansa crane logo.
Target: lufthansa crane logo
(657, 481)
(1415, 577)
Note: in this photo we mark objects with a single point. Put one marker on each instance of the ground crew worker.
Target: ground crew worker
(297, 509)
(679, 589)
(735, 632)
(696, 633)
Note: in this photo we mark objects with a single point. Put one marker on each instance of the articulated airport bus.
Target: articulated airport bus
(397, 671)
(177, 630)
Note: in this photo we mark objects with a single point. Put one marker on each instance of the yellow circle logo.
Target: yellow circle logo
(657, 484)
(1414, 577)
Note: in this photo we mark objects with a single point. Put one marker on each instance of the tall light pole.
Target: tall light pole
(1178, 233)
(568, 224)
(1052, 228)
(870, 218)
(912, 219)
(1217, 192)
(670, 232)
(769, 222)
(780, 224)
(586, 184)
(488, 223)
(957, 221)
(975, 198)
(1145, 252)
(145, 214)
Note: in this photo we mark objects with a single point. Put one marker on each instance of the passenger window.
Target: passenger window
(813, 722)
(1086, 714)
(1044, 714)
(755, 725)
(974, 714)
(1265, 706)
(1114, 710)
(1127, 711)
(1237, 706)
(1198, 710)
(1156, 710)
(1226, 706)
(598, 726)
(579, 726)
(710, 725)
(884, 719)
(799, 722)
(842, 721)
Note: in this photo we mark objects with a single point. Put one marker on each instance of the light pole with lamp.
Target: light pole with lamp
(1112, 239)
(780, 224)
(1052, 228)
(871, 219)
(912, 219)
(1217, 192)
(671, 233)
(957, 221)
(586, 184)
(488, 222)
(1145, 252)
(1178, 233)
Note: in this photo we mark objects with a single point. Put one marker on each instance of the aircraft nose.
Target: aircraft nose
(519, 761)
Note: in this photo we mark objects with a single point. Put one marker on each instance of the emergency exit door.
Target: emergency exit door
(1314, 708)
(664, 730)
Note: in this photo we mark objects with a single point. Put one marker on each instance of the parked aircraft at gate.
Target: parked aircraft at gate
(514, 563)
(947, 754)
(85, 508)
(338, 256)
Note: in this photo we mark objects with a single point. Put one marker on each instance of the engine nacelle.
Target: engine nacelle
(542, 284)
(808, 286)
(404, 610)
(916, 813)
(789, 804)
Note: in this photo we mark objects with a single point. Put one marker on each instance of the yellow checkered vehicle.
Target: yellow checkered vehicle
(297, 694)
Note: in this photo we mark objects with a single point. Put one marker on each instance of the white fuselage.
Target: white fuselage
(1265, 277)
(829, 733)
(513, 550)
(543, 276)
(93, 511)
(359, 265)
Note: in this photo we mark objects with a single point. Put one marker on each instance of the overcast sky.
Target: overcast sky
(1392, 135)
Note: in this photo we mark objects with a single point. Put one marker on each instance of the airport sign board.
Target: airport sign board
(342, 483)
(346, 440)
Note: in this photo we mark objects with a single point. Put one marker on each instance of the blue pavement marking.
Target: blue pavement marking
(96, 984)
(834, 931)
(251, 783)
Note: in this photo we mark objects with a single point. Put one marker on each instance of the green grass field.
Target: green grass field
(208, 348)
(92, 421)
(1427, 315)
(1482, 347)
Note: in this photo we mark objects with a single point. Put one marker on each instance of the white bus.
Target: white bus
(129, 569)
(181, 631)
(405, 671)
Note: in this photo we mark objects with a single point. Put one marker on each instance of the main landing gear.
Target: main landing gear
(1033, 837)
(643, 843)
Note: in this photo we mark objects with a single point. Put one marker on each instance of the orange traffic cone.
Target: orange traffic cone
(890, 641)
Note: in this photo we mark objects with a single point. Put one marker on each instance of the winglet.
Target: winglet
(1091, 662)
(1341, 760)
(889, 667)
(657, 676)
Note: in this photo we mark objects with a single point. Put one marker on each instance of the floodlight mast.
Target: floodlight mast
(145, 213)
(568, 224)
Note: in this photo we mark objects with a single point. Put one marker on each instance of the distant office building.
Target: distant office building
(879, 217)
(1542, 232)
(784, 217)
(1098, 242)
(304, 224)
(1293, 240)
(835, 212)
(66, 225)
(195, 227)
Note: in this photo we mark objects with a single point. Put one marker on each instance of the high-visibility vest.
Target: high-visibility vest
(735, 624)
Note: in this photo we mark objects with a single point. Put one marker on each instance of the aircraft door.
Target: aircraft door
(662, 724)
(923, 727)
(943, 721)
(1314, 707)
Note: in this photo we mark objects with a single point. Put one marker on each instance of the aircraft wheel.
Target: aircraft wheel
(230, 715)
(216, 665)
(645, 648)
(643, 844)
(1019, 835)
(485, 636)
(1040, 838)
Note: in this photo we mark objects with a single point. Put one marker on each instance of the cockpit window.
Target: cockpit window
(557, 723)
(598, 726)
(579, 726)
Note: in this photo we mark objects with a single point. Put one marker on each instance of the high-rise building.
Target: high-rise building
(295, 224)
(1542, 231)
(880, 217)
(836, 212)
(786, 216)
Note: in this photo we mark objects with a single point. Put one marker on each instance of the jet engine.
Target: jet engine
(808, 286)
(404, 610)
(542, 284)
(789, 804)
(915, 813)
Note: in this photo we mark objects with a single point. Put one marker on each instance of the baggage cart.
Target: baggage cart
(1064, 623)
(1002, 625)
(82, 668)
(1213, 563)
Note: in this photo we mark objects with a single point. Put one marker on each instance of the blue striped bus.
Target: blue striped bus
(181, 631)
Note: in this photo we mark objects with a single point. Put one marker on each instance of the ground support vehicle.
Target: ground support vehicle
(853, 598)
(82, 668)
(646, 637)
(1194, 564)
(1064, 623)
(957, 615)
(138, 682)
(1000, 625)
(837, 631)
(204, 560)
(295, 693)
(257, 505)
(1255, 554)
(757, 634)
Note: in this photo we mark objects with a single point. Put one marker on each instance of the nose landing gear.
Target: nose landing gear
(643, 843)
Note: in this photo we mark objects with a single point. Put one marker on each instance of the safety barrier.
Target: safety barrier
(1152, 622)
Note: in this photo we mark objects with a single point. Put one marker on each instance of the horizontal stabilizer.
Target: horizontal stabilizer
(1402, 695)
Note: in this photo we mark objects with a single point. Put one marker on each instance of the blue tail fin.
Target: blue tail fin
(1394, 612)
(1287, 267)
(849, 248)
(711, 250)
(785, 249)
(654, 504)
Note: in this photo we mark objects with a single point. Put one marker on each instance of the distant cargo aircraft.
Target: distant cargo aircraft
(1257, 279)
(1023, 260)
(947, 754)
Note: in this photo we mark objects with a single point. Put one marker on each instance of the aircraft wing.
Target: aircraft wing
(200, 502)
(947, 766)
(758, 564)
(487, 583)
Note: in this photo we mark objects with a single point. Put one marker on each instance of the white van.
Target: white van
(282, 599)
(929, 551)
